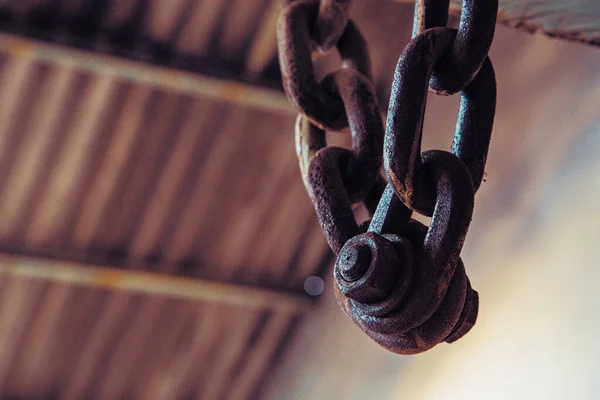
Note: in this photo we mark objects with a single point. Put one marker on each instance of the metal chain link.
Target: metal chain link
(403, 283)
(402, 149)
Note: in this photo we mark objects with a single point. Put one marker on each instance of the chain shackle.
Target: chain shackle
(295, 48)
(335, 177)
(404, 284)
(471, 45)
(402, 148)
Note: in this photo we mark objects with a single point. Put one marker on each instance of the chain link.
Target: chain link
(403, 283)
(405, 119)
(470, 47)
(296, 45)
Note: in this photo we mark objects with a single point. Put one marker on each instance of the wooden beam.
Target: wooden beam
(165, 78)
(577, 20)
(137, 280)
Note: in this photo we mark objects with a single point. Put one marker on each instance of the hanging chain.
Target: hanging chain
(402, 282)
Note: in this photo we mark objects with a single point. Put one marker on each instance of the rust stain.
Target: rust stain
(110, 279)
(233, 92)
(169, 78)
(20, 48)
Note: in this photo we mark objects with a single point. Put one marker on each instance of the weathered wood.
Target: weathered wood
(152, 283)
(577, 20)
(172, 79)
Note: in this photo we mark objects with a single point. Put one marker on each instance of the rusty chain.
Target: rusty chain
(402, 282)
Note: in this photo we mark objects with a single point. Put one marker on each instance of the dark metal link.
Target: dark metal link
(409, 290)
(329, 196)
(348, 176)
(331, 22)
(472, 43)
(402, 148)
(430, 14)
(295, 45)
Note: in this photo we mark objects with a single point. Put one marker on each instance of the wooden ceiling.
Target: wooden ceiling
(145, 146)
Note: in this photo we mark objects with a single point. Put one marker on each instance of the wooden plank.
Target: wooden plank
(165, 78)
(36, 145)
(68, 173)
(118, 152)
(152, 283)
(577, 20)
(264, 44)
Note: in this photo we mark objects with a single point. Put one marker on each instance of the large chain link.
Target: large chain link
(403, 283)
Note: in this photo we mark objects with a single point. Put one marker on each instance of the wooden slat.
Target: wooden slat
(162, 77)
(159, 131)
(67, 174)
(46, 112)
(257, 359)
(198, 33)
(15, 75)
(113, 314)
(164, 16)
(237, 329)
(130, 346)
(152, 283)
(189, 225)
(18, 300)
(43, 334)
(118, 152)
(264, 44)
(177, 323)
(77, 322)
(171, 383)
(172, 177)
(233, 40)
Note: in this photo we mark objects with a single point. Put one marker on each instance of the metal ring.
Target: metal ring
(471, 45)
(295, 58)
(402, 146)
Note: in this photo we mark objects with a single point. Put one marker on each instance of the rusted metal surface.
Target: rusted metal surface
(519, 252)
(470, 46)
(403, 283)
(335, 177)
(426, 298)
(295, 57)
(406, 113)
